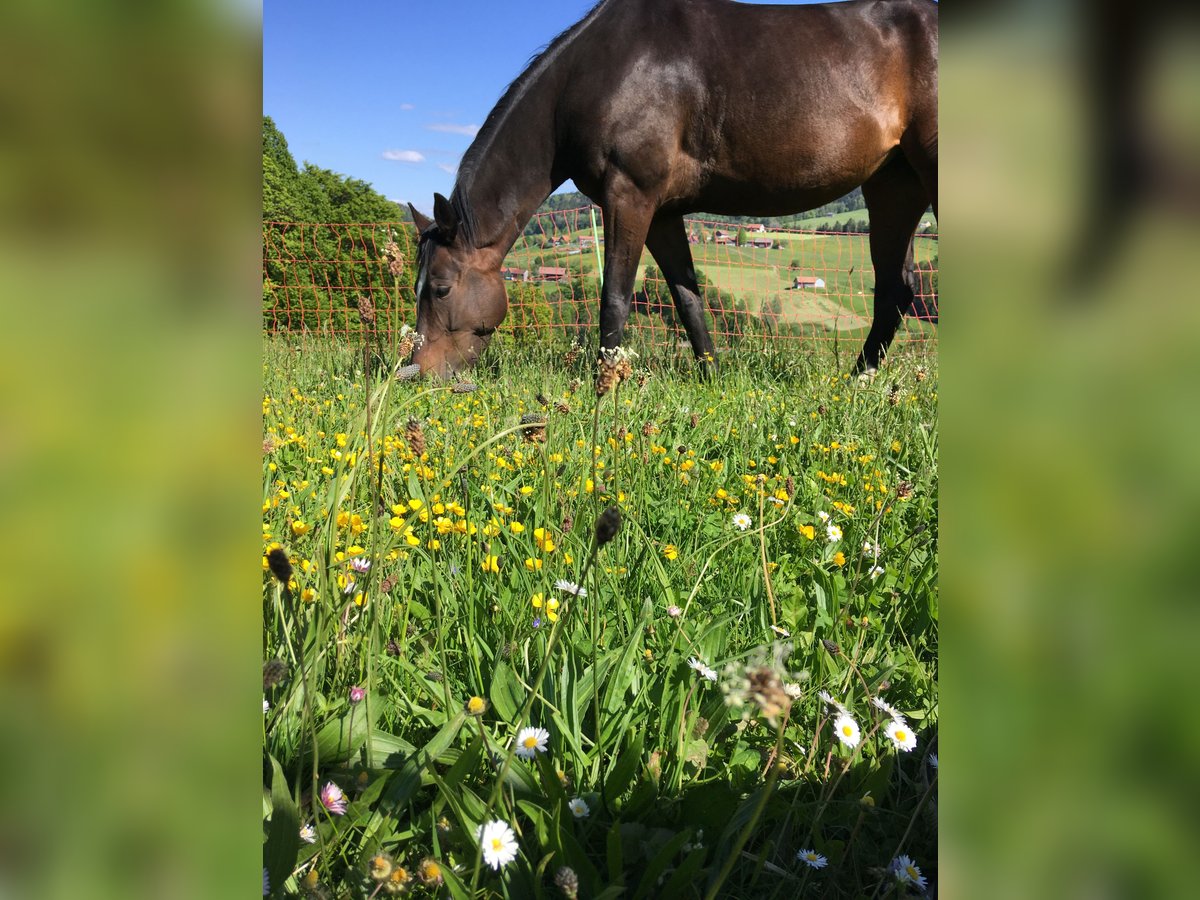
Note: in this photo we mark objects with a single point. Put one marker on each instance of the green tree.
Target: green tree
(324, 240)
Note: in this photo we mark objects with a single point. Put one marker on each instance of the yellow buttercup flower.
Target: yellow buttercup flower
(670, 551)
(544, 540)
(490, 563)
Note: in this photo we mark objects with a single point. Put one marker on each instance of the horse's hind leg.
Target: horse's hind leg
(896, 200)
(667, 243)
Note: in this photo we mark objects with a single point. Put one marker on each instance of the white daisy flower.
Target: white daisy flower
(775, 500)
(812, 858)
(872, 550)
(902, 736)
(532, 741)
(266, 704)
(908, 872)
(579, 809)
(741, 521)
(889, 709)
(846, 730)
(308, 833)
(834, 533)
(876, 571)
(570, 587)
(823, 516)
(702, 669)
(498, 842)
(933, 760)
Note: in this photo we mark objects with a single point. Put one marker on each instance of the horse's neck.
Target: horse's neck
(512, 175)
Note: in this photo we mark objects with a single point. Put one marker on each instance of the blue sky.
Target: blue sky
(391, 92)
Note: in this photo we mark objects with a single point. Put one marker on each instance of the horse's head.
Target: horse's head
(460, 293)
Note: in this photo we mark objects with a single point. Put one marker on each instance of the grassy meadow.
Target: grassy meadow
(479, 683)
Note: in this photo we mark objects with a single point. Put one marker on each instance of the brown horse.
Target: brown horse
(657, 108)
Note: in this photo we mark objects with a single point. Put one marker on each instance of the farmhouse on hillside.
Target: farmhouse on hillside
(551, 273)
(514, 273)
(807, 282)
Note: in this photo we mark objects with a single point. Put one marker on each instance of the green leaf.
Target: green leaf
(626, 766)
(339, 738)
(458, 890)
(648, 886)
(614, 857)
(389, 750)
(506, 694)
(696, 752)
(405, 782)
(468, 808)
(586, 684)
(467, 762)
(684, 875)
(283, 835)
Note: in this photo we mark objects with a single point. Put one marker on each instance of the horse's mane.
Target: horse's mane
(477, 152)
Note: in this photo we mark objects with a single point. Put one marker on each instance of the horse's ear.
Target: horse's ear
(446, 218)
(422, 222)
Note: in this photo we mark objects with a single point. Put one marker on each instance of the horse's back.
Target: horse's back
(733, 107)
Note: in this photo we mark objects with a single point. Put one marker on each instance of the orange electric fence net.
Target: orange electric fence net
(761, 283)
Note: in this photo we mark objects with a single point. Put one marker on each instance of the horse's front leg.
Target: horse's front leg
(626, 220)
(667, 241)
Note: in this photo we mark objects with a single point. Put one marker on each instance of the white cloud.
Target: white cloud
(408, 156)
(407, 106)
(446, 167)
(449, 128)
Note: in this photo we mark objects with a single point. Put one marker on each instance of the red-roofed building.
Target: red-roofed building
(802, 282)
(552, 273)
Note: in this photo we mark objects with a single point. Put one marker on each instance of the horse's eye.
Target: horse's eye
(441, 291)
